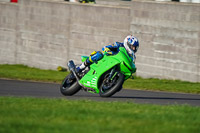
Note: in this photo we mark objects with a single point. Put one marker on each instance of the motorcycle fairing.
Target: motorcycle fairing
(127, 67)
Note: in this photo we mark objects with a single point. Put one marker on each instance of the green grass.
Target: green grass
(34, 115)
(163, 85)
(27, 73)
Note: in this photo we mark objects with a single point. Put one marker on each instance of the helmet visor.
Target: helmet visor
(133, 48)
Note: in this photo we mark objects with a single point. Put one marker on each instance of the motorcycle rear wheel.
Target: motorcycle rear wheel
(108, 87)
(69, 85)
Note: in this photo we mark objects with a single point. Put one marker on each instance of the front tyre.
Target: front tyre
(109, 87)
(69, 85)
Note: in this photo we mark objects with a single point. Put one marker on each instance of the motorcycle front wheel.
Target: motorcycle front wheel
(109, 87)
(69, 86)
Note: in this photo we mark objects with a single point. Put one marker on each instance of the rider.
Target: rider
(131, 44)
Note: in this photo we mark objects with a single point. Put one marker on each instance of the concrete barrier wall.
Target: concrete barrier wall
(92, 27)
(169, 34)
(47, 34)
(43, 33)
(8, 38)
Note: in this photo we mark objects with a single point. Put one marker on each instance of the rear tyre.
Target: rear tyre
(69, 85)
(108, 87)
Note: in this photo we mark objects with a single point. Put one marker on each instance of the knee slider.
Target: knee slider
(95, 57)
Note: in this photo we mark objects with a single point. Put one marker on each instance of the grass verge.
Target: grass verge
(27, 73)
(162, 85)
(34, 115)
(22, 72)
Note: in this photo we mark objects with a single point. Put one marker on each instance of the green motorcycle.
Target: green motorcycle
(104, 77)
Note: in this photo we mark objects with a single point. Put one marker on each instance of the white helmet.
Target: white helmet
(130, 42)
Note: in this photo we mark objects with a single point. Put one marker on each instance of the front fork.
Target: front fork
(112, 73)
(72, 68)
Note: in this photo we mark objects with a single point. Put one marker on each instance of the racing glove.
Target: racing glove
(107, 51)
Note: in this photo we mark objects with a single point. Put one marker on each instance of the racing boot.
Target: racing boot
(94, 57)
(82, 67)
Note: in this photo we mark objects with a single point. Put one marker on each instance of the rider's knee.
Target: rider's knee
(95, 56)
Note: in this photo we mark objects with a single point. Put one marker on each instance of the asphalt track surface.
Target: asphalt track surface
(51, 90)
